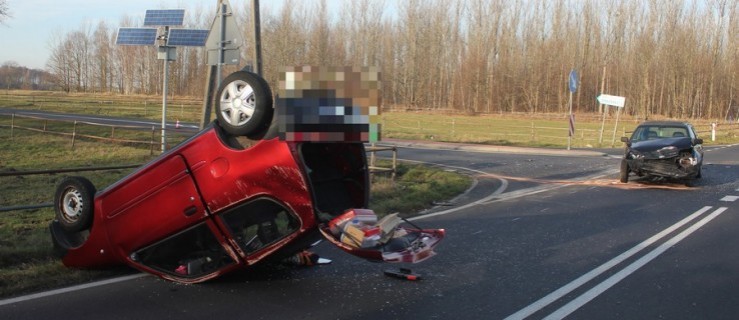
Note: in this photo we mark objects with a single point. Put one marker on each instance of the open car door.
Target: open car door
(390, 239)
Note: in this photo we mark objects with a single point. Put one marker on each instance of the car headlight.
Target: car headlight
(633, 154)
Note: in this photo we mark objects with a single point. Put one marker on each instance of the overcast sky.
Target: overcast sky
(25, 37)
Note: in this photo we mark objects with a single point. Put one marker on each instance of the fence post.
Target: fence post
(74, 133)
(12, 125)
(453, 127)
(151, 142)
(713, 131)
(395, 161)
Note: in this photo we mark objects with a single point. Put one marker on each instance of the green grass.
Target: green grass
(415, 188)
(128, 106)
(548, 130)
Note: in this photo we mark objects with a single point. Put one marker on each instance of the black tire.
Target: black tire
(624, 176)
(245, 105)
(73, 203)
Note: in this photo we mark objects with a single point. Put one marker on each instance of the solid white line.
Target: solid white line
(559, 293)
(70, 289)
(614, 279)
(730, 198)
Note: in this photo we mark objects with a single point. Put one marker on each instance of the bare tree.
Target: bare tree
(669, 58)
(4, 10)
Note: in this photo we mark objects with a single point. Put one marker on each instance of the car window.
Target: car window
(259, 223)
(191, 253)
(643, 133)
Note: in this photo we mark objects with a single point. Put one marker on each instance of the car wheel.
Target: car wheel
(73, 203)
(244, 106)
(624, 177)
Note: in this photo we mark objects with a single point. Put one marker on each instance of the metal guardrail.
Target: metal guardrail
(372, 165)
(373, 169)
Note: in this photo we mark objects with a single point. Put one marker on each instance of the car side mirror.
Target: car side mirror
(697, 141)
(626, 140)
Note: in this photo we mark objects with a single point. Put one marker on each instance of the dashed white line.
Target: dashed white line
(730, 198)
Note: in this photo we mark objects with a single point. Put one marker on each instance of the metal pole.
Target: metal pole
(257, 38)
(569, 124)
(613, 139)
(208, 103)
(602, 124)
(164, 104)
(221, 42)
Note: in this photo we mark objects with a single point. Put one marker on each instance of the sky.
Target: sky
(25, 37)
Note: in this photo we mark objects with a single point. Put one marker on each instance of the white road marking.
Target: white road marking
(730, 198)
(566, 289)
(614, 279)
(70, 289)
(503, 186)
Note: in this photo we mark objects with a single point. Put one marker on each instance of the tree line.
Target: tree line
(672, 58)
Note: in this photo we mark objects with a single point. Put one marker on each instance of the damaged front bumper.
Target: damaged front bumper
(684, 165)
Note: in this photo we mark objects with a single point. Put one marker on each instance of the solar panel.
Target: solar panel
(187, 37)
(136, 36)
(173, 17)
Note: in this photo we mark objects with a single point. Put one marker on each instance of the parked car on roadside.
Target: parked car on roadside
(218, 203)
(667, 149)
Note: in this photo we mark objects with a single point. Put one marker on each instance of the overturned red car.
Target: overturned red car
(217, 203)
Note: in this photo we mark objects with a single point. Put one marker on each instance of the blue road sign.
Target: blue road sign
(573, 80)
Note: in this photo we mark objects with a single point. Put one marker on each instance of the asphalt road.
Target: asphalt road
(540, 236)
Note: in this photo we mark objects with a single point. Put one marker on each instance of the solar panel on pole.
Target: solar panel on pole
(166, 52)
(169, 17)
(187, 37)
(136, 36)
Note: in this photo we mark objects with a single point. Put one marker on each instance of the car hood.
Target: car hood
(681, 143)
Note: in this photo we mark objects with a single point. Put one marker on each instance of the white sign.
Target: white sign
(615, 101)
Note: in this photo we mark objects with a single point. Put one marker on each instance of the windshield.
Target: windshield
(643, 133)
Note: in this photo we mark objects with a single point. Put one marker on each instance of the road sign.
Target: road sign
(573, 80)
(610, 100)
(224, 35)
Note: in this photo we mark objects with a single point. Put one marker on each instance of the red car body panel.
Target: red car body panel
(208, 189)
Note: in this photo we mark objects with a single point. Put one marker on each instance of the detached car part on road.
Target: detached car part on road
(215, 204)
(667, 149)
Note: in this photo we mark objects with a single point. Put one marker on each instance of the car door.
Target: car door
(154, 203)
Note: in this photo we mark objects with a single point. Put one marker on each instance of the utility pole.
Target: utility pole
(257, 37)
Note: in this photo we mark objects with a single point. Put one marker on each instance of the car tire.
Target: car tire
(245, 105)
(73, 203)
(624, 177)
